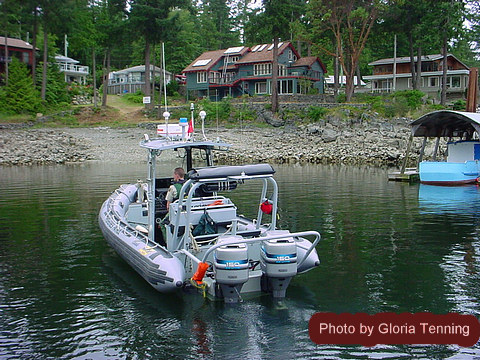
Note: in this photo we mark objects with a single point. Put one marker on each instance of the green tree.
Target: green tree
(278, 16)
(30, 17)
(449, 17)
(20, 96)
(350, 22)
(55, 16)
(9, 12)
(150, 18)
(109, 24)
(182, 42)
(217, 26)
(56, 92)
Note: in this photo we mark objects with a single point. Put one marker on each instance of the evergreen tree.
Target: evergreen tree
(55, 15)
(217, 26)
(9, 13)
(20, 96)
(182, 42)
(56, 92)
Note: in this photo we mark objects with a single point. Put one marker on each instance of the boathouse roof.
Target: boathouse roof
(447, 123)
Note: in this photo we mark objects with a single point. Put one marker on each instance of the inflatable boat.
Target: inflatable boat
(202, 242)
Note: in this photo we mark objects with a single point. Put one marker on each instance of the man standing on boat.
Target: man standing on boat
(174, 189)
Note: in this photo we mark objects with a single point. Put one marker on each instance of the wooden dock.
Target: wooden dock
(409, 175)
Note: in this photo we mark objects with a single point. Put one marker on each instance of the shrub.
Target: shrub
(412, 97)
(399, 103)
(245, 113)
(341, 98)
(316, 113)
(215, 109)
(78, 89)
(460, 104)
(172, 88)
(136, 98)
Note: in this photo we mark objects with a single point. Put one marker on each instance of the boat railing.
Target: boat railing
(125, 228)
(193, 185)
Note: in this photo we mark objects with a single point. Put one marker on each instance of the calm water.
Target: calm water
(64, 294)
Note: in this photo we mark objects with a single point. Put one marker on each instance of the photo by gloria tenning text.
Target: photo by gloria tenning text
(392, 328)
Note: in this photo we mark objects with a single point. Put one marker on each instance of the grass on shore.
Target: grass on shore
(15, 119)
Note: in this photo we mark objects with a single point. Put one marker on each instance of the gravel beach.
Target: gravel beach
(371, 143)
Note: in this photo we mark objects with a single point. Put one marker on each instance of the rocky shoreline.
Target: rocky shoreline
(364, 142)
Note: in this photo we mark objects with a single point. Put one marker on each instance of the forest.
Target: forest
(110, 35)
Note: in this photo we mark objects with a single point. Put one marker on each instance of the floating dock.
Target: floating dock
(409, 175)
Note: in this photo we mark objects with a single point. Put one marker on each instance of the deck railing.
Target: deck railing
(80, 69)
(224, 79)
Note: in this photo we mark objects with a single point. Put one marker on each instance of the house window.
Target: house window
(262, 69)
(455, 82)
(433, 82)
(291, 56)
(214, 77)
(233, 59)
(261, 88)
(383, 69)
(285, 87)
(26, 57)
(202, 77)
(429, 66)
(386, 85)
(228, 77)
(282, 70)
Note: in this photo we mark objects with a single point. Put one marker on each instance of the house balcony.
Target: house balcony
(72, 69)
(229, 78)
(127, 81)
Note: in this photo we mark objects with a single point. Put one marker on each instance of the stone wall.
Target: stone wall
(290, 102)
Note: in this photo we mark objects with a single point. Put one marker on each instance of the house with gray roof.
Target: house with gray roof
(132, 79)
(241, 70)
(72, 69)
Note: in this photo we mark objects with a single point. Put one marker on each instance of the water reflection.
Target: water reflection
(462, 200)
(385, 247)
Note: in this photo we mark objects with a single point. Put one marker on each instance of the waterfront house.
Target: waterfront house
(431, 76)
(241, 70)
(73, 71)
(18, 48)
(342, 82)
(132, 79)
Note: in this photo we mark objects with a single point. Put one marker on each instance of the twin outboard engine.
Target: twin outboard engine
(231, 268)
(279, 263)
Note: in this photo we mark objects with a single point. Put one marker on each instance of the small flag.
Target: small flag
(190, 126)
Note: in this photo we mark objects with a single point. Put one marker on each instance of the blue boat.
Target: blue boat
(461, 130)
